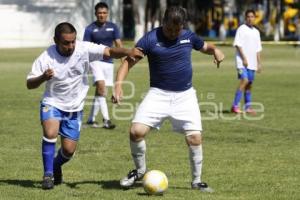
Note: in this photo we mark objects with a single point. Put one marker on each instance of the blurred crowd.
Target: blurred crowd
(276, 19)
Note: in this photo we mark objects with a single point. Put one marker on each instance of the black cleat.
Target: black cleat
(48, 182)
(131, 178)
(203, 187)
(107, 124)
(58, 179)
(93, 124)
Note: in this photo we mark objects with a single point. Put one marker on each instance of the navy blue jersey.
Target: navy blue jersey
(105, 34)
(170, 62)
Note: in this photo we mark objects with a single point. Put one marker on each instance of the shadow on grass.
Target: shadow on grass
(217, 111)
(105, 184)
(22, 183)
(161, 195)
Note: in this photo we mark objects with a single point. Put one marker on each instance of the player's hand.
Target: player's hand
(117, 94)
(245, 62)
(136, 53)
(219, 57)
(48, 74)
(259, 69)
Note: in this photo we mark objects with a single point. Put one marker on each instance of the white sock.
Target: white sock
(95, 109)
(103, 107)
(196, 157)
(138, 151)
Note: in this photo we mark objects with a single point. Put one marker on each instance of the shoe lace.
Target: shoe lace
(133, 173)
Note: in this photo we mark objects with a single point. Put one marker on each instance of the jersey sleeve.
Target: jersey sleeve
(37, 69)
(87, 34)
(143, 44)
(259, 46)
(116, 32)
(95, 51)
(197, 42)
(237, 39)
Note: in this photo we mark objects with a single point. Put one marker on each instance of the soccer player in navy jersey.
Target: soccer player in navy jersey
(248, 49)
(107, 33)
(171, 95)
(64, 67)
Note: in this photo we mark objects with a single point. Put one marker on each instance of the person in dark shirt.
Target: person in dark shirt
(171, 95)
(107, 33)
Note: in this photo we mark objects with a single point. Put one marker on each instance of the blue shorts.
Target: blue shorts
(70, 122)
(244, 73)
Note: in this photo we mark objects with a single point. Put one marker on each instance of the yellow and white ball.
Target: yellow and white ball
(155, 182)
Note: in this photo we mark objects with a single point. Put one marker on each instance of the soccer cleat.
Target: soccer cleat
(58, 176)
(250, 111)
(203, 187)
(236, 109)
(48, 182)
(131, 178)
(93, 124)
(107, 124)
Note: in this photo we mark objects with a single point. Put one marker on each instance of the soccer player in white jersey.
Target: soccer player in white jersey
(64, 67)
(248, 49)
(107, 33)
(171, 95)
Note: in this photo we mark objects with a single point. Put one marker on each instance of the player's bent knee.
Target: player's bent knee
(194, 138)
(101, 92)
(67, 153)
(138, 132)
(50, 134)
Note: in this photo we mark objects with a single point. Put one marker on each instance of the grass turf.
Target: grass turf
(243, 158)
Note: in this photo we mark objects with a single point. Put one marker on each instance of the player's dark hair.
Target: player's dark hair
(101, 5)
(175, 15)
(249, 11)
(64, 27)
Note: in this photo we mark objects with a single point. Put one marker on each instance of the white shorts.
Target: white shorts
(181, 108)
(103, 71)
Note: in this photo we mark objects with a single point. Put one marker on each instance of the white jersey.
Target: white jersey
(69, 86)
(248, 38)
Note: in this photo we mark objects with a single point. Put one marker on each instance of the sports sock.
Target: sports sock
(247, 99)
(95, 109)
(103, 107)
(237, 97)
(60, 159)
(48, 152)
(196, 157)
(138, 150)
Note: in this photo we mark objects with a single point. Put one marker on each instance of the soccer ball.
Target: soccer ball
(155, 182)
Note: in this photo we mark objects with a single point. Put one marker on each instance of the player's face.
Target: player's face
(101, 14)
(66, 44)
(250, 18)
(172, 31)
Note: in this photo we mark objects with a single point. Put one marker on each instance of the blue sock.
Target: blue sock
(247, 99)
(60, 159)
(237, 97)
(48, 152)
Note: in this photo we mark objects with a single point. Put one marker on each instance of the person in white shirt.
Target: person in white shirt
(64, 67)
(248, 49)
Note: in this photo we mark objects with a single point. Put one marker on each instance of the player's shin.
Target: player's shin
(48, 152)
(248, 98)
(138, 151)
(237, 97)
(94, 110)
(196, 157)
(103, 107)
(60, 159)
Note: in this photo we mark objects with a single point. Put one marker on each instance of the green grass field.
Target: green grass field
(244, 158)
